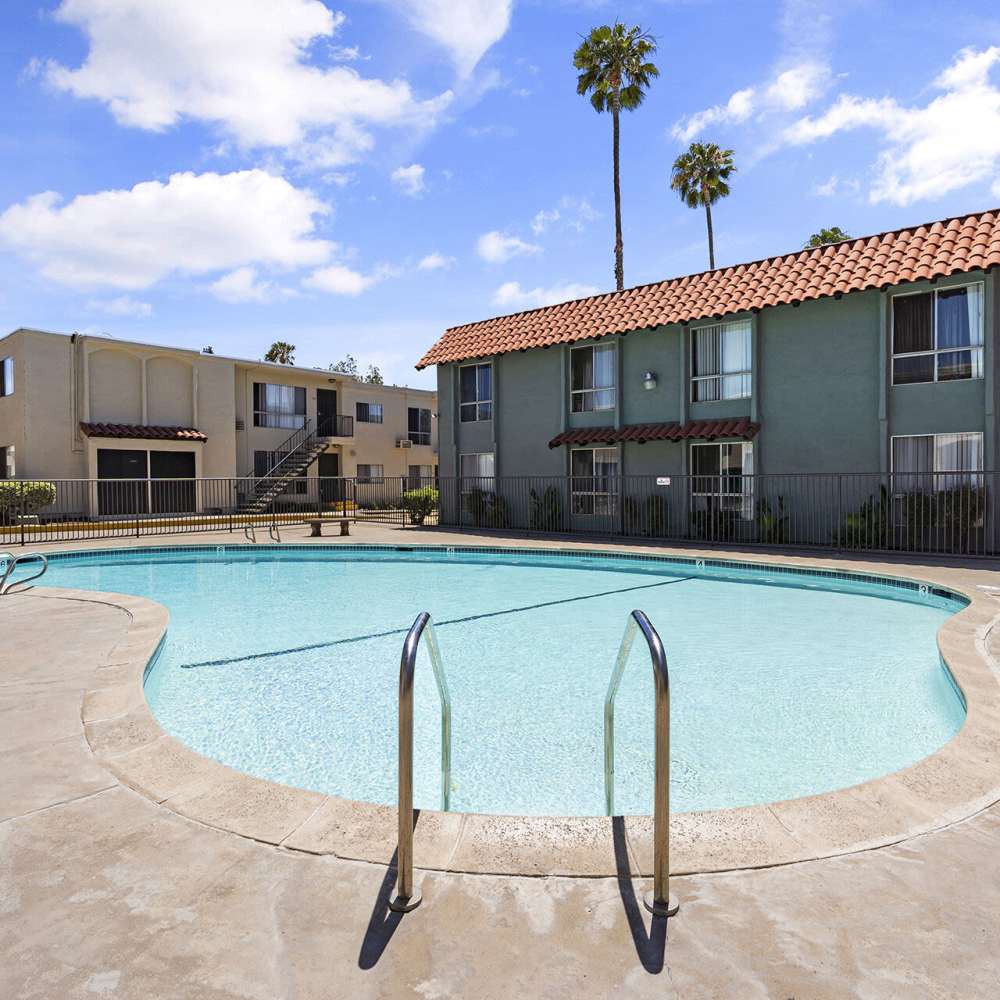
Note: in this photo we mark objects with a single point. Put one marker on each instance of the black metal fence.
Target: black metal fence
(940, 513)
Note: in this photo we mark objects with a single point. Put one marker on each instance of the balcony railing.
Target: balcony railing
(340, 426)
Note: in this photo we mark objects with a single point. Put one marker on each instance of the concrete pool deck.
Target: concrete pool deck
(104, 891)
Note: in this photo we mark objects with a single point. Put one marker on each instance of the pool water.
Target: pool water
(284, 663)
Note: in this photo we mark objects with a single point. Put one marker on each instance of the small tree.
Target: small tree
(825, 236)
(348, 366)
(281, 352)
(374, 376)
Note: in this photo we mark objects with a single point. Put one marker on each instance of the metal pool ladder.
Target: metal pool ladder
(407, 896)
(13, 562)
(659, 902)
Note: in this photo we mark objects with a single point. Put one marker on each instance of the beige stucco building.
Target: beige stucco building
(84, 407)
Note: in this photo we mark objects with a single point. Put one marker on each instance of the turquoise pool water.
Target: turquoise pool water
(284, 663)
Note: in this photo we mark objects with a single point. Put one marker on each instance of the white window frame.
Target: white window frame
(583, 393)
(368, 418)
(975, 351)
(369, 476)
(480, 481)
(419, 437)
(279, 418)
(745, 375)
(740, 500)
(7, 376)
(8, 462)
(473, 406)
(606, 499)
(421, 479)
(975, 475)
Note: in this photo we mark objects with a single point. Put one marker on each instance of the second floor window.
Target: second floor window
(368, 413)
(937, 336)
(475, 393)
(720, 362)
(278, 405)
(7, 377)
(593, 378)
(418, 425)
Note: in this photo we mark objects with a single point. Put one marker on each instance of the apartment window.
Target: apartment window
(594, 480)
(923, 462)
(721, 362)
(722, 477)
(593, 378)
(420, 476)
(475, 397)
(7, 468)
(476, 471)
(370, 474)
(368, 413)
(937, 336)
(418, 425)
(7, 377)
(278, 405)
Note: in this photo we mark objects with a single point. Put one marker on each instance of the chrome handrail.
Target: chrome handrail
(407, 897)
(249, 533)
(12, 562)
(659, 902)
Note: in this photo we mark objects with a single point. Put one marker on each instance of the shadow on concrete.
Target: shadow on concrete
(383, 922)
(650, 947)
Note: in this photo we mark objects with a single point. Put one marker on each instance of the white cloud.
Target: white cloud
(737, 109)
(243, 285)
(410, 180)
(243, 65)
(510, 293)
(789, 90)
(828, 188)
(497, 247)
(123, 305)
(466, 30)
(543, 219)
(837, 185)
(338, 279)
(949, 143)
(192, 224)
(434, 262)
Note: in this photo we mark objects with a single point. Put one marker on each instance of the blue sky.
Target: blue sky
(356, 177)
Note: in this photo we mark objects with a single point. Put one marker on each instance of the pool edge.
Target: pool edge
(949, 785)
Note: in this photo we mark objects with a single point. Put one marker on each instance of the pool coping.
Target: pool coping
(956, 781)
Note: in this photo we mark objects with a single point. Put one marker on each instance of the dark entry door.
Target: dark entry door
(120, 496)
(326, 412)
(330, 485)
(176, 496)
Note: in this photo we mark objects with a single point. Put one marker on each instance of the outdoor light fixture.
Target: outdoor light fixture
(649, 380)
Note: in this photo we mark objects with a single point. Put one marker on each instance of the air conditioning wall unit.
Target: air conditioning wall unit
(404, 443)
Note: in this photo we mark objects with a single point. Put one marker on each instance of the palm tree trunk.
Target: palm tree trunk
(619, 265)
(711, 237)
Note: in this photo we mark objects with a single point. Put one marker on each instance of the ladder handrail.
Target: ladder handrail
(659, 901)
(12, 562)
(407, 897)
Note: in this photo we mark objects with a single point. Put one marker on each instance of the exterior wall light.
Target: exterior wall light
(649, 380)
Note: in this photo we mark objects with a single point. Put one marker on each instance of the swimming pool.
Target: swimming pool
(283, 662)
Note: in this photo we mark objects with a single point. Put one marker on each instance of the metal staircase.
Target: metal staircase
(288, 462)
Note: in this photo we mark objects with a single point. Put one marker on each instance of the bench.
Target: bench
(317, 528)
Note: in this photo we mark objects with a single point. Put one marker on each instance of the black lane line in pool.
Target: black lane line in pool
(403, 631)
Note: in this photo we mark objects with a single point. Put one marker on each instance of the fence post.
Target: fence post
(20, 508)
(840, 510)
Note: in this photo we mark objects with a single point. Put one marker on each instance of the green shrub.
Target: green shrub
(545, 513)
(646, 517)
(487, 510)
(772, 524)
(24, 498)
(869, 526)
(420, 503)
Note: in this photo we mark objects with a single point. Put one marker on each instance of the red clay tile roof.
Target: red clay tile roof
(932, 250)
(706, 430)
(141, 432)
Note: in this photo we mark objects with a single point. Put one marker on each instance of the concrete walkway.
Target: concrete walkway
(105, 894)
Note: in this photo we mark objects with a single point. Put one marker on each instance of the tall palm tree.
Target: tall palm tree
(282, 352)
(700, 177)
(615, 70)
